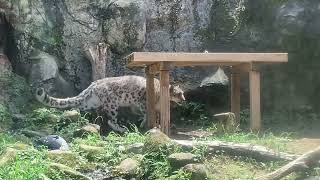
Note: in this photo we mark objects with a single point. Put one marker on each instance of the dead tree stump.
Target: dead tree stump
(98, 59)
(226, 122)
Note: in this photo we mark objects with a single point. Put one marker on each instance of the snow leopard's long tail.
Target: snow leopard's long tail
(44, 98)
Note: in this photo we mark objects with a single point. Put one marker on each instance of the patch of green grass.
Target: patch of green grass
(155, 164)
(66, 128)
(26, 166)
(225, 167)
(42, 116)
(113, 145)
(6, 139)
(5, 117)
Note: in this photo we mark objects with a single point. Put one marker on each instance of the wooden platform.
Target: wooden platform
(160, 62)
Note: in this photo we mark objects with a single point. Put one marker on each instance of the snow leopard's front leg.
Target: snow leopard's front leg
(112, 112)
(142, 108)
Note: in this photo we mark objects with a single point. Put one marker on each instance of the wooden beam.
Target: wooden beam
(164, 98)
(235, 96)
(142, 58)
(255, 114)
(154, 68)
(151, 99)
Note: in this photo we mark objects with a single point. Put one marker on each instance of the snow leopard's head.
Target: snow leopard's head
(176, 94)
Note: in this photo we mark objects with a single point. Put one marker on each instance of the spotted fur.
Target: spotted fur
(109, 94)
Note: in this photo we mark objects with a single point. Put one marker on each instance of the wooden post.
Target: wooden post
(151, 113)
(235, 96)
(255, 116)
(164, 98)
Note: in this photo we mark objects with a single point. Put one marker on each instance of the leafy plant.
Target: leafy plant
(4, 113)
(195, 113)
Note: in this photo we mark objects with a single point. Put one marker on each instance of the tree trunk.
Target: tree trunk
(304, 162)
(98, 59)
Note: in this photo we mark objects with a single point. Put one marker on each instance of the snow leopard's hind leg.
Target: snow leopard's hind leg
(112, 113)
(144, 121)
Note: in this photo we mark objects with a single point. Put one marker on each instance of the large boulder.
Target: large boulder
(198, 171)
(45, 72)
(5, 64)
(155, 139)
(129, 168)
(45, 67)
(178, 160)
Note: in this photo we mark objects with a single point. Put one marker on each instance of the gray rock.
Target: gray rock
(226, 122)
(219, 77)
(5, 65)
(198, 171)
(136, 148)
(72, 115)
(178, 160)
(155, 139)
(86, 130)
(129, 168)
(53, 142)
(44, 68)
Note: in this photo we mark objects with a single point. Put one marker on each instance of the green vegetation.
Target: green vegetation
(26, 165)
(96, 152)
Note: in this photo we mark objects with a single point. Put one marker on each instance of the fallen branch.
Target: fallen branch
(303, 162)
(238, 149)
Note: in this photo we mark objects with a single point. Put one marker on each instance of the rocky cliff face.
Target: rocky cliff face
(61, 28)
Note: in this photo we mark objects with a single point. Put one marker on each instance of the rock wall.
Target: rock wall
(61, 28)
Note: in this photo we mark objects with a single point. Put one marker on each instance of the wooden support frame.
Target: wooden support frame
(240, 62)
(255, 113)
(151, 101)
(164, 98)
(235, 95)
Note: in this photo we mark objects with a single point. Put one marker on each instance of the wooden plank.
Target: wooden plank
(164, 99)
(151, 99)
(142, 58)
(255, 114)
(154, 68)
(235, 96)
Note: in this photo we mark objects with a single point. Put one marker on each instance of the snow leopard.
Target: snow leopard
(108, 94)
